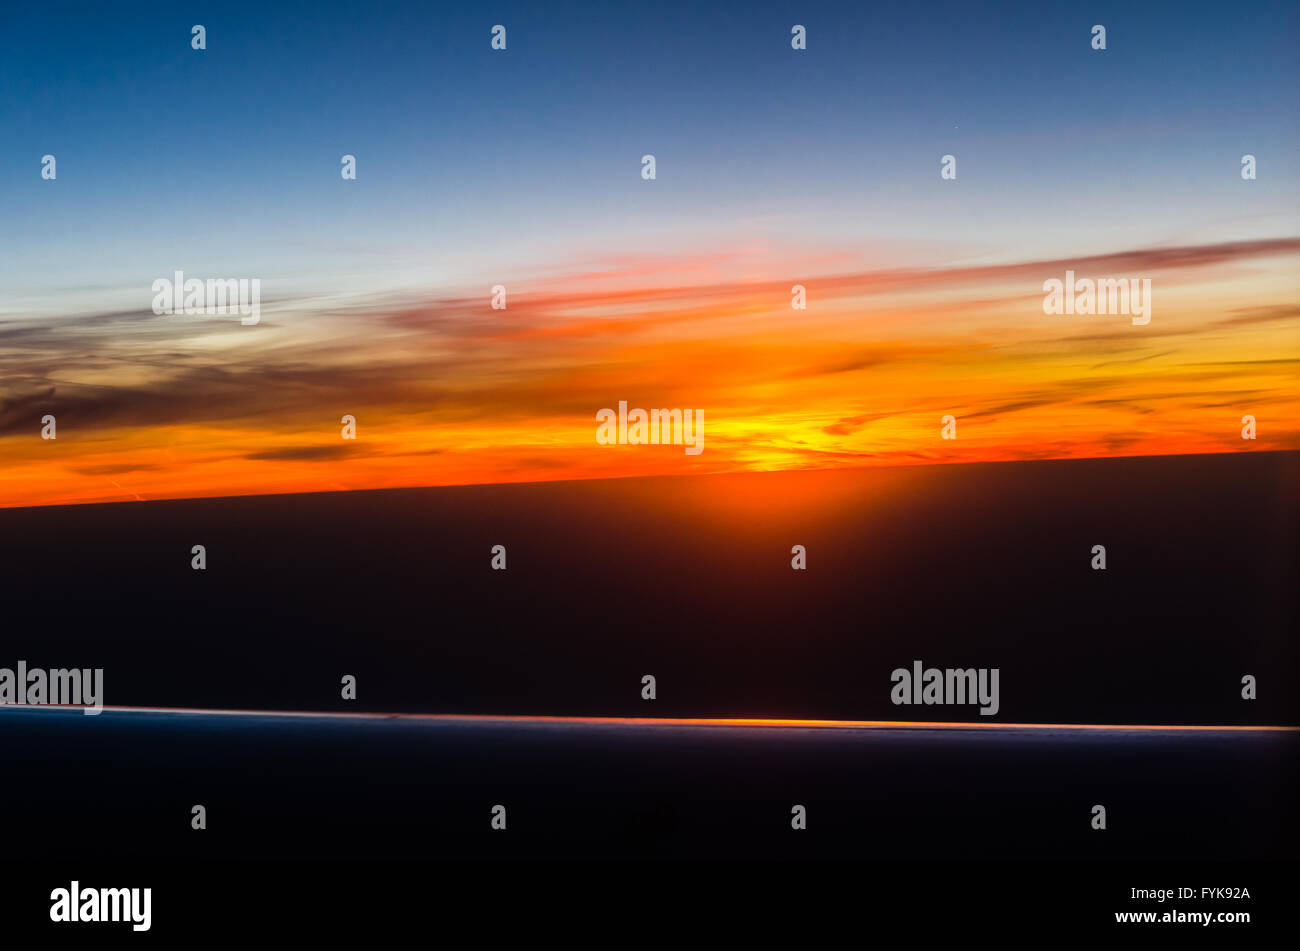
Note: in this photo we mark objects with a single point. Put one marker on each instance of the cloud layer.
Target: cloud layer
(447, 390)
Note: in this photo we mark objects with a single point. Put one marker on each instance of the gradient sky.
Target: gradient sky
(523, 168)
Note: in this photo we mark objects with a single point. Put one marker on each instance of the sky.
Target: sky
(522, 167)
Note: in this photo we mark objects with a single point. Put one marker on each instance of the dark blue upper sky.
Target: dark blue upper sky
(470, 160)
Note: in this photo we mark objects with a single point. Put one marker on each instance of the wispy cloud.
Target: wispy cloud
(445, 389)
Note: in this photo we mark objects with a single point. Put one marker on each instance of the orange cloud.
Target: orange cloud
(450, 391)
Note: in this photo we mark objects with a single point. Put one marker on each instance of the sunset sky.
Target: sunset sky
(523, 168)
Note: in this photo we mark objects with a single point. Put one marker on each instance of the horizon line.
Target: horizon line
(725, 472)
(759, 722)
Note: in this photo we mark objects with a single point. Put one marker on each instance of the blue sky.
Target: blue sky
(473, 162)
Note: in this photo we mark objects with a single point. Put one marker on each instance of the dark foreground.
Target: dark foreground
(690, 580)
(387, 821)
(393, 815)
(124, 783)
